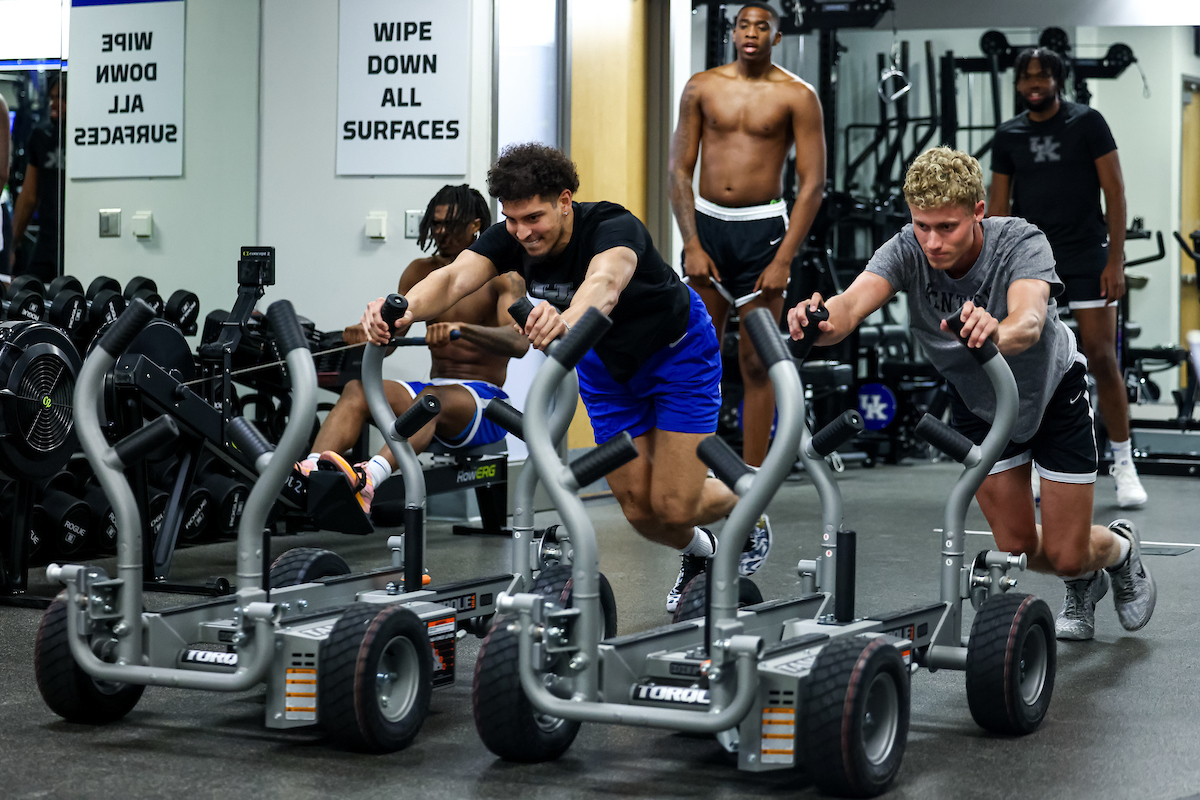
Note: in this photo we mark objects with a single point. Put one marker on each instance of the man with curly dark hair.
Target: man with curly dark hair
(655, 374)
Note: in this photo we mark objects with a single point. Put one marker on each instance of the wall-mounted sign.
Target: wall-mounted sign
(403, 87)
(125, 91)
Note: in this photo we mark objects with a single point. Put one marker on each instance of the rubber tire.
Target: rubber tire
(504, 718)
(829, 734)
(994, 652)
(66, 688)
(305, 564)
(691, 603)
(555, 582)
(347, 704)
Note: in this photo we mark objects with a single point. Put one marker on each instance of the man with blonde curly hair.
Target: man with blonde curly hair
(1000, 271)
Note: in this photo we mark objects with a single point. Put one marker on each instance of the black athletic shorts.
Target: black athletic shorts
(740, 241)
(1064, 447)
(1080, 273)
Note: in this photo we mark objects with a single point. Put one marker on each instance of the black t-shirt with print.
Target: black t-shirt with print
(1055, 184)
(653, 309)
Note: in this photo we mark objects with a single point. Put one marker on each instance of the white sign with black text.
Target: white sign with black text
(125, 105)
(403, 87)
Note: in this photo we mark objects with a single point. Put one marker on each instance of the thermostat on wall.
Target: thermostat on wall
(377, 225)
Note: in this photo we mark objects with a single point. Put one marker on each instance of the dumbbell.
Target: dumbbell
(105, 302)
(197, 508)
(103, 515)
(228, 497)
(66, 307)
(144, 288)
(67, 518)
(23, 299)
(183, 309)
(36, 540)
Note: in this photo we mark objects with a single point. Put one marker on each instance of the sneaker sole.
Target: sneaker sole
(349, 474)
(1135, 540)
(1070, 636)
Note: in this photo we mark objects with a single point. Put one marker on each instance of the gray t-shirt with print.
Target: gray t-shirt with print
(1012, 249)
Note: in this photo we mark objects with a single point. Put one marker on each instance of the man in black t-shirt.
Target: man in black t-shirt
(655, 374)
(1053, 161)
(42, 190)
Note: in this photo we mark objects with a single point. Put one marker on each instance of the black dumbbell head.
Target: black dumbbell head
(106, 306)
(101, 284)
(26, 283)
(139, 284)
(67, 310)
(183, 309)
(62, 283)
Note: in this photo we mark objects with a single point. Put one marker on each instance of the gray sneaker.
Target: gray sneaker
(1077, 620)
(1133, 588)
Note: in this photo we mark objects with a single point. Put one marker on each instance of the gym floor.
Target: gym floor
(1124, 720)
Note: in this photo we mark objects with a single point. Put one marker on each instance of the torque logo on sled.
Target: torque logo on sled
(680, 695)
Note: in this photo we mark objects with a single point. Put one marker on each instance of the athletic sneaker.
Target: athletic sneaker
(1134, 593)
(357, 476)
(1130, 493)
(1077, 620)
(690, 568)
(1035, 483)
(757, 548)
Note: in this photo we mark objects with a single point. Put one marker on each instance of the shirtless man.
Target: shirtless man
(465, 373)
(738, 238)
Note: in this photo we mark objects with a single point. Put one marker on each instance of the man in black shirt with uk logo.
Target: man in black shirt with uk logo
(1053, 161)
(655, 374)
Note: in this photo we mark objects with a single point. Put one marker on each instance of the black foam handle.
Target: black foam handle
(801, 348)
(944, 438)
(765, 336)
(837, 433)
(135, 317)
(600, 461)
(725, 463)
(394, 306)
(583, 337)
(146, 439)
(418, 415)
(982, 354)
(247, 438)
(506, 417)
(285, 326)
(521, 310)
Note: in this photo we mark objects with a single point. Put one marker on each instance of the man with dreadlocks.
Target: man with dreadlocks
(465, 373)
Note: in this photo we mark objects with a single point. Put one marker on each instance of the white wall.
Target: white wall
(325, 264)
(1147, 131)
(202, 218)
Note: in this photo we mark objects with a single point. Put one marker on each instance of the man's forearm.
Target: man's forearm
(804, 211)
(1115, 211)
(22, 213)
(501, 340)
(1018, 332)
(433, 296)
(683, 203)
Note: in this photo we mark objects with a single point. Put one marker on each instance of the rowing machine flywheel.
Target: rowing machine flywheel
(38, 368)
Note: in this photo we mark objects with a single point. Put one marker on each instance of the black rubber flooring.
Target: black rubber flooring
(1124, 722)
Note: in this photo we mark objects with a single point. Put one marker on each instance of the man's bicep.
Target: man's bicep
(616, 263)
(1028, 296)
(1108, 169)
(998, 196)
(685, 144)
(865, 295)
(808, 130)
(513, 289)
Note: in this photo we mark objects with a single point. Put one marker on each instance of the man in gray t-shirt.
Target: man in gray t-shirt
(1001, 273)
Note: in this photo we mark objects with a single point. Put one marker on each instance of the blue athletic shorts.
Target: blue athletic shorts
(481, 430)
(678, 389)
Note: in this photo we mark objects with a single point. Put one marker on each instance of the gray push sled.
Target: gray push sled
(357, 655)
(783, 684)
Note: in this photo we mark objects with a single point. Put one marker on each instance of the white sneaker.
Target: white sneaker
(1130, 493)
(1035, 482)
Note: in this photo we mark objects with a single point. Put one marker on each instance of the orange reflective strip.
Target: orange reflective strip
(777, 736)
(300, 681)
(767, 752)
(791, 711)
(302, 672)
(301, 694)
(293, 709)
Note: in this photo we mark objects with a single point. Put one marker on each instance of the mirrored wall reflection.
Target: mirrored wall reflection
(32, 167)
(527, 71)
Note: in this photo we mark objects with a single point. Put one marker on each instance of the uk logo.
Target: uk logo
(1044, 148)
(877, 404)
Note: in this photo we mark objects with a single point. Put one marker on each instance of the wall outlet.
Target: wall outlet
(142, 224)
(412, 224)
(110, 222)
(377, 225)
